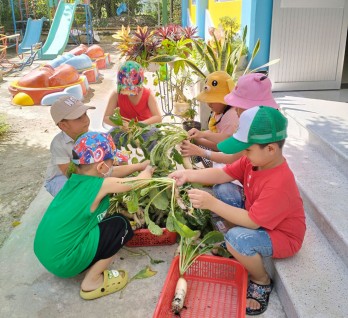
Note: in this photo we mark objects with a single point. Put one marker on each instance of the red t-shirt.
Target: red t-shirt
(140, 111)
(273, 202)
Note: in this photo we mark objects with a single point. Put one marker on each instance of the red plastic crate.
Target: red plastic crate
(216, 288)
(143, 237)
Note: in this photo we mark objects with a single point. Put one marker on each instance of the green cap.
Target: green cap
(257, 125)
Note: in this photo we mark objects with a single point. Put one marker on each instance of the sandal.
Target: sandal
(260, 293)
(221, 251)
(113, 282)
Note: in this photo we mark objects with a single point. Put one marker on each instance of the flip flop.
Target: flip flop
(113, 282)
(260, 293)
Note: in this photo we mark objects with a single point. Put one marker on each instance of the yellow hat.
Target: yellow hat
(217, 85)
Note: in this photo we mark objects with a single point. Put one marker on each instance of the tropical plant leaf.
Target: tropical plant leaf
(275, 61)
(255, 51)
(214, 59)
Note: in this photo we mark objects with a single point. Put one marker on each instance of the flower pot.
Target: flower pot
(180, 108)
(187, 125)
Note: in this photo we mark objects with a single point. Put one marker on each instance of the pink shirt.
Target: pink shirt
(273, 202)
(229, 122)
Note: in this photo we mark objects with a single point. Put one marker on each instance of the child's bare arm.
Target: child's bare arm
(115, 185)
(202, 176)
(154, 109)
(123, 171)
(110, 108)
(203, 200)
(189, 149)
(215, 137)
(64, 168)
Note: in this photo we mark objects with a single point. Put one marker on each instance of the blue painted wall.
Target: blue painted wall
(184, 13)
(257, 15)
(201, 6)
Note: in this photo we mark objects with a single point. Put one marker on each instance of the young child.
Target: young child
(269, 221)
(223, 120)
(73, 235)
(132, 98)
(252, 90)
(70, 115)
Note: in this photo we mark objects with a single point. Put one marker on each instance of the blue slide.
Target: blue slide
(32, 34)
(58, 35)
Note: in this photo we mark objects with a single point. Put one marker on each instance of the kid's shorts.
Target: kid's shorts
(115, 231)
(245, 241)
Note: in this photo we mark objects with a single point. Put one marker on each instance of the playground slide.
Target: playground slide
(32, 34)
(58, 35)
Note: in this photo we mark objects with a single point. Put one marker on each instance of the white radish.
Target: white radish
(179, 296)
(186, 162)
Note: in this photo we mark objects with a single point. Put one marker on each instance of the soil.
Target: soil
(24, 152)
(24, 155)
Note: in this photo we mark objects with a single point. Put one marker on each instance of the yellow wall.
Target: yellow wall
(192, 10)
(231, 8)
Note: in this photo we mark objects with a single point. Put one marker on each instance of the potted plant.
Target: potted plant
(138, 46)
(189, 116)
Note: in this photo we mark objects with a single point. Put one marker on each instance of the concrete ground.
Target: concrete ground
(28, 290)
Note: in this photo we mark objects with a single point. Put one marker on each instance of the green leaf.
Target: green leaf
(183, 230)
(162, 59)
(132, 202)
(170, 223)
(134, 160)
(214, 58)
(160, 199)
(116, 117)
(177, 156)
(144, 273)
(213, 237)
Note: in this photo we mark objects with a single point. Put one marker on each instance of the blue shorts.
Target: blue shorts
(245, 241)
(54, 185)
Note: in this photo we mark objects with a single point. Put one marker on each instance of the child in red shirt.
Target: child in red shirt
(133, 100)
(269, 221)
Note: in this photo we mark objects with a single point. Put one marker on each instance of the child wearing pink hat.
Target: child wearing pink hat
(253, 89)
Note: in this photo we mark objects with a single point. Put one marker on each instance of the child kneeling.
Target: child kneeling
(73, 235)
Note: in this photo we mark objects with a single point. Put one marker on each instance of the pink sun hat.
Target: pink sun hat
(253, 89)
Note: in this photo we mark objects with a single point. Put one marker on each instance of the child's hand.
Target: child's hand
(195, 133)
(179, 177)
(189, 149)
(143, 165)
(125, 127)
(147, 172)
(200, 199)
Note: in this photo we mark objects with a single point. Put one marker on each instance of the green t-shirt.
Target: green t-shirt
(67, 238)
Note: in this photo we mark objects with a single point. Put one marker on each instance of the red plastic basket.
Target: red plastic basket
(216, 287)
(144, 237)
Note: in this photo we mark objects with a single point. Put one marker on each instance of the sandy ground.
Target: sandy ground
(24, 151)
(24, 154)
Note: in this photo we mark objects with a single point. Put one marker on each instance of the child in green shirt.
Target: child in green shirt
(73, 235)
